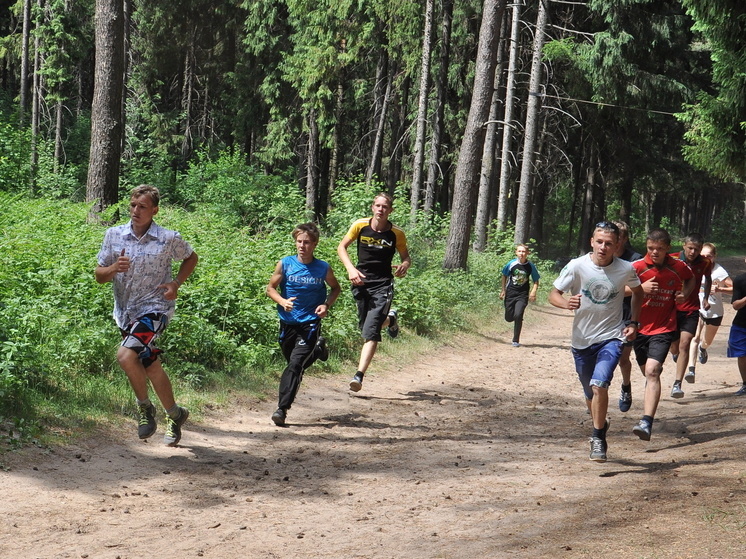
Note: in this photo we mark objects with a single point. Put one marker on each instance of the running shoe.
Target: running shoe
(625, 400)
(173, 427)
(357, 382)
(146, 424)
(643, 430)
(279, 417)
(516, 344)
(322, 349)
(393, 328)
(690, 375)
(598, 449)
(675, 357)
(741, 391)
(676, 391)
(702, 355)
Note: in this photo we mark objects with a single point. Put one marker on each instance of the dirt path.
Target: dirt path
(478, 450)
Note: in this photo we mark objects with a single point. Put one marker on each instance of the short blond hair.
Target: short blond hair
(148, 191)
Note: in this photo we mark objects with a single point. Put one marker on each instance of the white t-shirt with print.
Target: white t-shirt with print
(599, 317)
(719, 275)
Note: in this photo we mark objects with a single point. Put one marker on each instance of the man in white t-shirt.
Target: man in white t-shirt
(596, 283)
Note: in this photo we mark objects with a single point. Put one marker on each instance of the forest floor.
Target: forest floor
(477, 449)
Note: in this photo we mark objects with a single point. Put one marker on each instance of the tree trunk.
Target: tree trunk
(487, 174)
(58, 147)
(334, 156)
(380, 104)
(441, 86)
(467, 168)
(312, 166)
(508, 125)
(398, 129)
(36, 104)
(187, 94)
(23, 104)
(523, 212)
(419, 142)
(106, 111)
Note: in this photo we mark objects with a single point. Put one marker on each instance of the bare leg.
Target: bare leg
(139, 376)
(710, 331)
(625, 365)
(695, 344)
(652, 373)
(685, 342)
(599, 406)
(366, 355)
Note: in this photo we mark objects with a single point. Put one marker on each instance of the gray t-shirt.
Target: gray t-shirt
(599, 317)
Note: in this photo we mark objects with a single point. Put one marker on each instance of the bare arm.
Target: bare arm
(323, 309)
(556, 298)
(185, 270)
(353, 273)
(274, 283)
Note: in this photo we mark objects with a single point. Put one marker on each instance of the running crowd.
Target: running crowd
(655, 304)
(621, 300)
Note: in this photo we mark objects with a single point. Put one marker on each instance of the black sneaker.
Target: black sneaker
(625, 400)
(322, 349)
(643, 430)
(598, 449)
(173, 427)
(357, 382)
(393, 328)
(690, 375)
(279, 417)
(741, 391)
(675, 357)
(146, 425)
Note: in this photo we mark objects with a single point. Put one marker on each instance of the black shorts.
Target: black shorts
(373, 305)
(652, 347)
(714, 321)
(686, 321)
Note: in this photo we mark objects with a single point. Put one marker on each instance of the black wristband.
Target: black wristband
(631, 322)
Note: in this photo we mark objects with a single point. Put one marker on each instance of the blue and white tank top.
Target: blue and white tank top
(307, 282)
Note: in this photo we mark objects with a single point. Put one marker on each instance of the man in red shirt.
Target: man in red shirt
(687, 312)
(665, 281)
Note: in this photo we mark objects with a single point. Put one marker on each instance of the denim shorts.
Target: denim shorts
(595, 364)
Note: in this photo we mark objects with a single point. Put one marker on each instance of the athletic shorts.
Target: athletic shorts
(141, 334)
(737, 341)
(652, 347)
(714, 321)
(686, 321)
(373, 305)
(595, 364)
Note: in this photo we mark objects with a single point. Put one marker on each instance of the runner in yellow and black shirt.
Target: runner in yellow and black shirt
(378, 240)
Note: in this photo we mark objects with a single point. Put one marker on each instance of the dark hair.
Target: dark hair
(147, 190)
(695, 238)
(308, 228)
(659, 236)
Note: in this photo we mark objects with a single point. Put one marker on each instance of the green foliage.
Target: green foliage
(15, 156)
(256, 200)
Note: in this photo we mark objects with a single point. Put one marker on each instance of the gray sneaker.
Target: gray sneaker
(643, 430)
(173, 427)
(146, 423)
(598, 449)
(676, 391)
(690, 375)
(702, 355)
(393, 328)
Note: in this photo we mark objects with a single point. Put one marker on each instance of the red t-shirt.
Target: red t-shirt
(658, 313)
(700, 267)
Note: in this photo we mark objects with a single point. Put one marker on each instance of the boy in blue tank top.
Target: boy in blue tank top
(298, 286)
